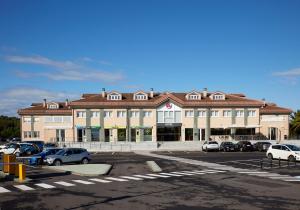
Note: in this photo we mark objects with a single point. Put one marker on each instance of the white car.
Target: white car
(284, 152)
(210, 145)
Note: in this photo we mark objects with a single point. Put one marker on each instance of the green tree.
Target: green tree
(295, 124)
(9, 127)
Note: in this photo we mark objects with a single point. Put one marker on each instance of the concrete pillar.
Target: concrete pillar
(182, 133)
(102, 133)
(245, 117)
(141, 124)
(88, 130)
(31, 125)
(195, 126)
(207, 126)
(128, 130)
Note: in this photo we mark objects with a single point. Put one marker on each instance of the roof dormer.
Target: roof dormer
(52, 105)
(217, 96)
(140, 95)
(114, 95)
(193, 95)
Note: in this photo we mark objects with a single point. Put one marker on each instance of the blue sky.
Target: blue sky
(60, 49)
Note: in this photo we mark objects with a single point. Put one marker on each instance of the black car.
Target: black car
(227, 146)
(244, 146)
(261, 146)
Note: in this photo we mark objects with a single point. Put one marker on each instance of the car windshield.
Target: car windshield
(61, 152)
(293, 147)
(213, 142)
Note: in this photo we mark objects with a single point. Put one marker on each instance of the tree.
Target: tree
(9, 127)
(295, 124)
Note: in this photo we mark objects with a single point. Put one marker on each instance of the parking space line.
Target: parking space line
(158, 175)
(3, 190)
(100, 180)
(66, 184)
(291, 180)
(168, 174)
(232, 161)
(82, 181)
(23, 187)
(187, 174)
(253, 172)
(146, 177)
(193, 172)
(47, 186)
(132, 178)
(116, 179)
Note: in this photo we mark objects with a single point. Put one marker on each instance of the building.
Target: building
(149, 116)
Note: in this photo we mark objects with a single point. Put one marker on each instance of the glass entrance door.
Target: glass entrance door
(60, 135)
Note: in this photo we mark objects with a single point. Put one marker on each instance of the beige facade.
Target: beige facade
(155, 117)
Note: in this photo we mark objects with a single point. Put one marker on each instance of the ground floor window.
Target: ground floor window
(148, 134)
(245, 131)
(169, 133)
(95, 132)
(189, 134)
(219, 131)
(121, 134)
(134, 133)
(107, 134)
(81, 135)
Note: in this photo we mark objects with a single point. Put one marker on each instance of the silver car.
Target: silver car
(69, 155)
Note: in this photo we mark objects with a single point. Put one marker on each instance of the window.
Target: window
(240, 113)
(135, 113)
(27, 119)
(189, 113)
(114, 97)
(227, 113)
(121, 113)
(58, 119)
(201, 113)
(107, 114)
(218, 97)
(214, 113)
(140, 97)
(52, 106)
(147, 113)
(25, 134)
(194, 97)
(36, 134)
(95, 114)
(81, 114)
(251, 113)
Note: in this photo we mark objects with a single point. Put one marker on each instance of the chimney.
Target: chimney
(67, 102)
(103, 93)
(264, 101)
(151, 93)
(204, 92)
(44, 102)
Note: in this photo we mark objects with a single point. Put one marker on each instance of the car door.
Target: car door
(67, 158)
(276, 151)
(285, 152)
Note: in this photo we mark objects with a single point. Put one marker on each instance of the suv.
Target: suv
(244, 146)
(284, 151)
(227, 146)
(69, 155)
(210, 145)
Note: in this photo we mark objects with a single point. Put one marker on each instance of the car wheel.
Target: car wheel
(241, 149)
(57, 163)
(291, 158)
(85, 161)
(224, 150)
(270, 156)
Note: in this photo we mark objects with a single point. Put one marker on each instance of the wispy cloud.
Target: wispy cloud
(19, 97)
(63, 70)
(288, 73)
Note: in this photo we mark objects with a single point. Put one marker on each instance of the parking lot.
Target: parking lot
(131, 184)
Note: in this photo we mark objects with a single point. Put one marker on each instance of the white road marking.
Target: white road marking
(181, 173)
(168, 174)
(66, 184)
(100, 180)
(82, 181)
(116, 179)
(3, 190)
(146, 177)
(253, 172)
(23, 187)
(47, 186)
(193, 172)
(291, 180)
(232, 161)
(158, 175)
(132, 178)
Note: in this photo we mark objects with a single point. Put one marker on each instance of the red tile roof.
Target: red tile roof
(274, 109)
(38, 109)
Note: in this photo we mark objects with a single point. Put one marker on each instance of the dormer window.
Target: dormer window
(218, 96)
(114, 96)
(193, 96)
(52, 106)
(140, 96)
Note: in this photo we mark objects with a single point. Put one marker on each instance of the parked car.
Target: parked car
(210, 146)
(244, 146)
(39, 143)
(261, 146)
(40, 157)
(68, 155)
(21, 149)
(4, 147)
(284, 152)
(227, 146)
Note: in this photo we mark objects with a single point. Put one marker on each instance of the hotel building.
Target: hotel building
(149, 116)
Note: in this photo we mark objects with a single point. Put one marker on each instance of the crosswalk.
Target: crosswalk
(103, 180)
